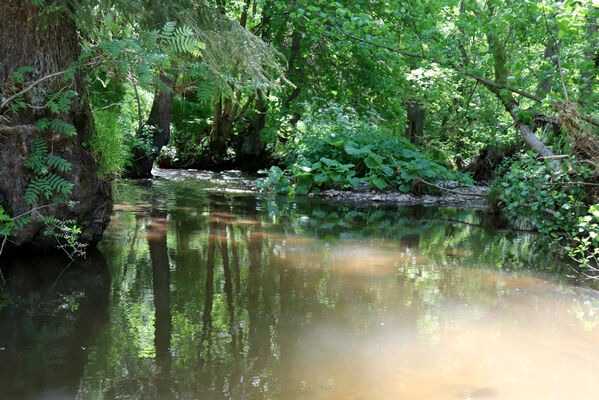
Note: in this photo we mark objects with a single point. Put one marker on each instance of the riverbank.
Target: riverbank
(451, 193)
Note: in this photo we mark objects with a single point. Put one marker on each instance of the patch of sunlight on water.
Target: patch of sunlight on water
(525, 345)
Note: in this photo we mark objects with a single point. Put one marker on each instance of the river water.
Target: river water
(204, 290)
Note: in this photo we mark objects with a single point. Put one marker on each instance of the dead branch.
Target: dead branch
(31, 86)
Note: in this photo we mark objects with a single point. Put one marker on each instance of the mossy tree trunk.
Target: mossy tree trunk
(49, 49)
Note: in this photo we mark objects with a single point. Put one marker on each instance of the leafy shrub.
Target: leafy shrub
(275, 181)
(337, 148)
(584, 247)
(535, 190)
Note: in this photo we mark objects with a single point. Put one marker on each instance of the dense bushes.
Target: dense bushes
(545, 193)
(337, 148)
(553, 198)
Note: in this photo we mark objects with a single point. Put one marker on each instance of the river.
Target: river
(203, 289)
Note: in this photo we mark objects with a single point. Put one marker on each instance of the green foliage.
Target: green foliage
(61, 101)
(534, 190)
(275, 181)
(18, 75)
(181, 39)
(45, 183)
(66, 233)
(584, 247)
(326, 173)
(57, 126)
(335, 147)
(6, 223)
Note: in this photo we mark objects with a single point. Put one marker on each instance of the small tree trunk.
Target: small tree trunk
(416, 115)
(508, 101)
(157, 130)
(544, 87)
(222, 128)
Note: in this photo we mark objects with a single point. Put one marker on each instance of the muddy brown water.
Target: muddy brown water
(201, 290)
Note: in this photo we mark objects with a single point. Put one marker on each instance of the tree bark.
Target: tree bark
(48, 50)
(508, 100)
(416, 114)
(157, 130)
(222, 127)
(252, 154)
(544, 87)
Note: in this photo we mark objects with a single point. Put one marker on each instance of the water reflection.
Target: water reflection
(216, 296)
(50, 311)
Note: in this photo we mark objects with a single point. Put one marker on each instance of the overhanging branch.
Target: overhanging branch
(485, 81)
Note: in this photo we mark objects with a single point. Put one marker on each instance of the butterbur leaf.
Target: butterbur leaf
(387, 170)
(321, 178)
(373, 161)
(379, 182)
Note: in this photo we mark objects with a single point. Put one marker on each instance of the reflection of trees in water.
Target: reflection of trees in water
(53, 313)
(228, 317)
(157, 231)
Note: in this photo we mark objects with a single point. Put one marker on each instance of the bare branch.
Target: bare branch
(31, 86)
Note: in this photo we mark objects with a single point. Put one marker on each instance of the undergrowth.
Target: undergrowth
(337, 148)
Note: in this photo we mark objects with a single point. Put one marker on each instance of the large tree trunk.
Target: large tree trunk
(157, 130)
(48, 50)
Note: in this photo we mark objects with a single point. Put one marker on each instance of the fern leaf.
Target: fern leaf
(64, 128)
(22, 221)
(58, 184)
(32, 194)
(59, 163)
(37, 157)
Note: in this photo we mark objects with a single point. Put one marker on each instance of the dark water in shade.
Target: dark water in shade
(202, 291)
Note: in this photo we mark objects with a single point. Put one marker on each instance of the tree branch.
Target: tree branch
(31, 86)
(485, 81)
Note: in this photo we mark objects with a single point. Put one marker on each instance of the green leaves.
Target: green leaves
(56, 125)
(45, 187)
(182, 39)
(531, 189)
(45, 184)
(61, 101)
(275, 181)
(18, 74)
(340, 149)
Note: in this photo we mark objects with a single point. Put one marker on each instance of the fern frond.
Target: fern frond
(59, 185)
(168, 29)
(46, 186)
(37, 157)
(64, 128)
(56, 125)
(37, 188)
(22, 221)
(59, 163)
